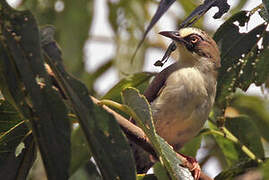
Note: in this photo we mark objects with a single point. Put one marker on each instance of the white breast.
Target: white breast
(183, 106)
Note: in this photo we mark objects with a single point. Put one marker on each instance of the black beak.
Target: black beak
(173, 35)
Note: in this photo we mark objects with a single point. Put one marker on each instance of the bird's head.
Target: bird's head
(194, 46)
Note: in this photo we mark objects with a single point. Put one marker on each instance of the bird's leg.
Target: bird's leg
(192, 165)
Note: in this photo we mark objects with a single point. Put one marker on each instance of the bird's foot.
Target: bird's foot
(192, 165)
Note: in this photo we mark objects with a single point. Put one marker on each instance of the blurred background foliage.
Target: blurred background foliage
(237, 132)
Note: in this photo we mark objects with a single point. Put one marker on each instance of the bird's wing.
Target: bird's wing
(158, 82)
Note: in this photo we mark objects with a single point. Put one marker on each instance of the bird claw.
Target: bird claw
(195, 169)
(193, 166)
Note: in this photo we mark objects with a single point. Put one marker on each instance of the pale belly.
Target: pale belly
(182, 108)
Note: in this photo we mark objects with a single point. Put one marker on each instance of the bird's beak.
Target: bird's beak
(173, 35)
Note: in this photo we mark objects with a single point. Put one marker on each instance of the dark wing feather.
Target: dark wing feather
(158, 82)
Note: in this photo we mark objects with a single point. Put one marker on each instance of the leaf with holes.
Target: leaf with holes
(234, 46)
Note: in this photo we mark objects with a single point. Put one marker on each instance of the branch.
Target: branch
(137, 135)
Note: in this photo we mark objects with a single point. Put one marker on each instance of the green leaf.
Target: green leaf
(134, 80)
(141, 112)
(88, 171)
(233, 46)
(247, 133)
(16, 165)
(266, 7)
(103, 134)
(80, 152)
(256, 109)
(13, 133)
(264, 14)
(73, 25)
(227, 147)
(265, 169)
(236, 170)
(160, 171)
(191, 147)
(134, 14)
(255, 67)
(146, 177)
(48, 115)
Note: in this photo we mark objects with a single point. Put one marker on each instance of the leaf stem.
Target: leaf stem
(114, 104)
(228, 135)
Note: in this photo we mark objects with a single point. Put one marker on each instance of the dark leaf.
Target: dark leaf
(233, 46)
(236, 170)
(247, 133)
(104, 136)
(162, 8)
(264, 14)
(222, 5)
(87, 171)
(256, 109)
(15, 162)
(48, 114)
(255, 66)
(80, 152)
(146, 177)
(266, 7)
(16, 165)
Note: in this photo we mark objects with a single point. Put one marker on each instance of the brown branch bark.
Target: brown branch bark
(137, 135)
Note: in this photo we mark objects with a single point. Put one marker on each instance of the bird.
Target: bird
(181, 96)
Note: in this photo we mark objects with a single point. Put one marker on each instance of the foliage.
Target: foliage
(51, 111)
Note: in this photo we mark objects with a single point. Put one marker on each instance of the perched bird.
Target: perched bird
(183, 94)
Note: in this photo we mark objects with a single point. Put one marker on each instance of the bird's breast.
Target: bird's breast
(183, 105)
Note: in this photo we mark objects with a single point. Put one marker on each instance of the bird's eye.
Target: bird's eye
(194, 39)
